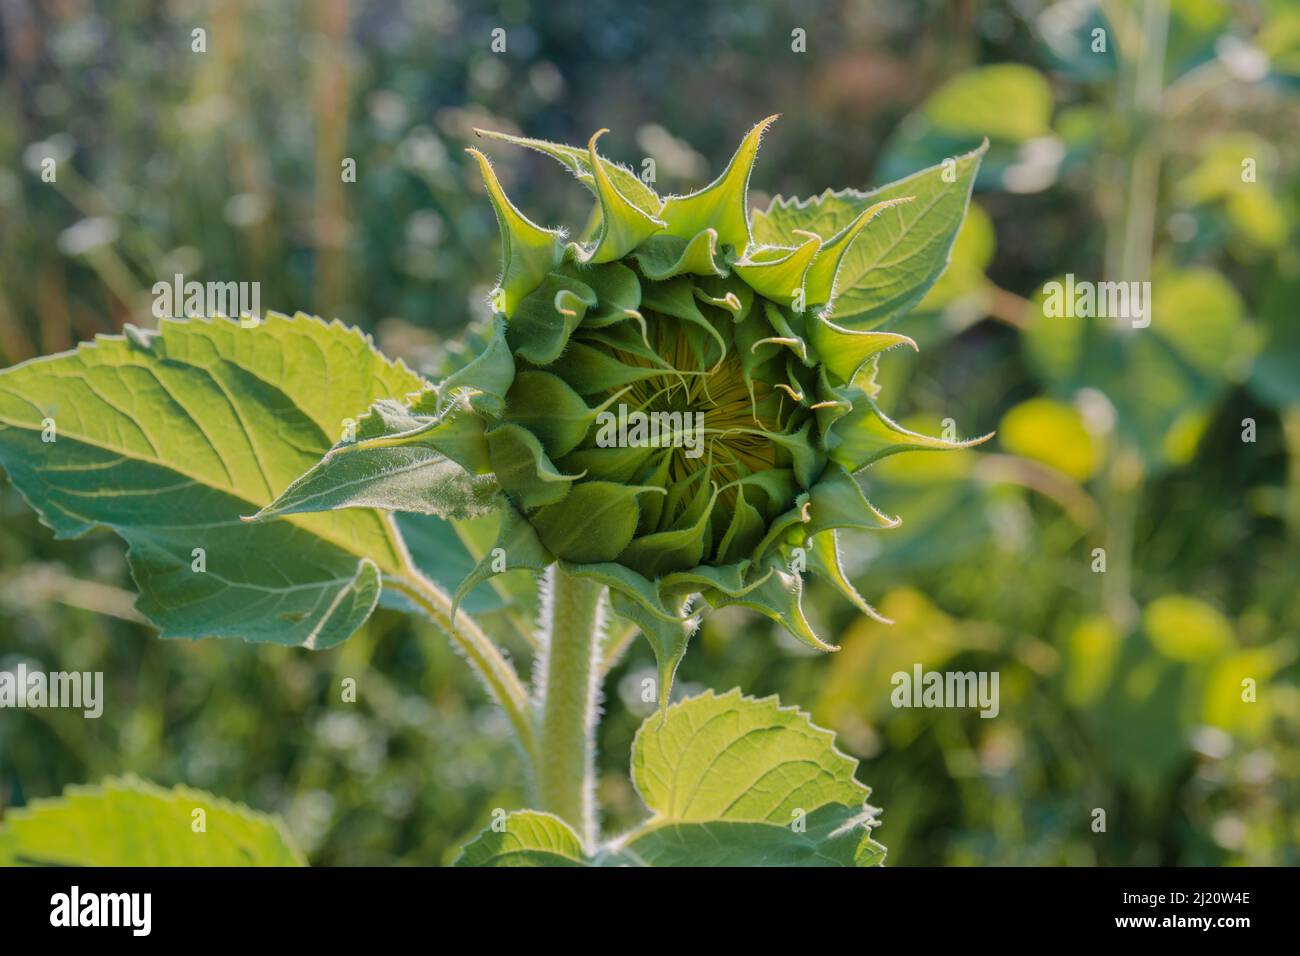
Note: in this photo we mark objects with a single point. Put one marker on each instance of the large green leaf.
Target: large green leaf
(830, 836)
(127, 822)
(899, 255)
(170, 437)
(526, 838)
(730, 757)
(728, 780)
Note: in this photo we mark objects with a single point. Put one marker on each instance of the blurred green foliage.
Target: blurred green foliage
(1122, 689)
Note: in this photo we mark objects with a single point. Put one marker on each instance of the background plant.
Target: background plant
(1000, 550)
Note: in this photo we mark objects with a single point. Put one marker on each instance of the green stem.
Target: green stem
(1130, 248)
(570, 683)
(483, 656)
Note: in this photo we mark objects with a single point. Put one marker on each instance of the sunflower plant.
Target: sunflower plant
(672, 412)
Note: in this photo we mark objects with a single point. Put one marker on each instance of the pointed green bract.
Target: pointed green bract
(778, 598)
(516, 548)
(578, 162)
(528, 252)
(483, 383)
(667, 638)
(721, 205)
(657, 554)
(866, 434)
(662, 257)
(675, 297)
(593, 371)
(836, 501)
(778, 273)
(623, 224)
(623, 582)
(523, 469)
(743, 533)
(826, 562)
(617, 290)
(549, 408)
(731, 579)
(844, 352)
(544, 319)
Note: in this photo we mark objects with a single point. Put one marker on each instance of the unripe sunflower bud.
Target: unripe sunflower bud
(669, 407)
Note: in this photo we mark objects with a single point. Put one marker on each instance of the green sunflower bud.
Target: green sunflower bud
(672, 407)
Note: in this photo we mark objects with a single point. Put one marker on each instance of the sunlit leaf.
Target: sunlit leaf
(125, 821)
(1187, 629)
(899, 256)
(1052, 433)
(170, 438)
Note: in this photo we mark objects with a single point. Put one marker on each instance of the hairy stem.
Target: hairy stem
(569, 685)
(484, 657)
